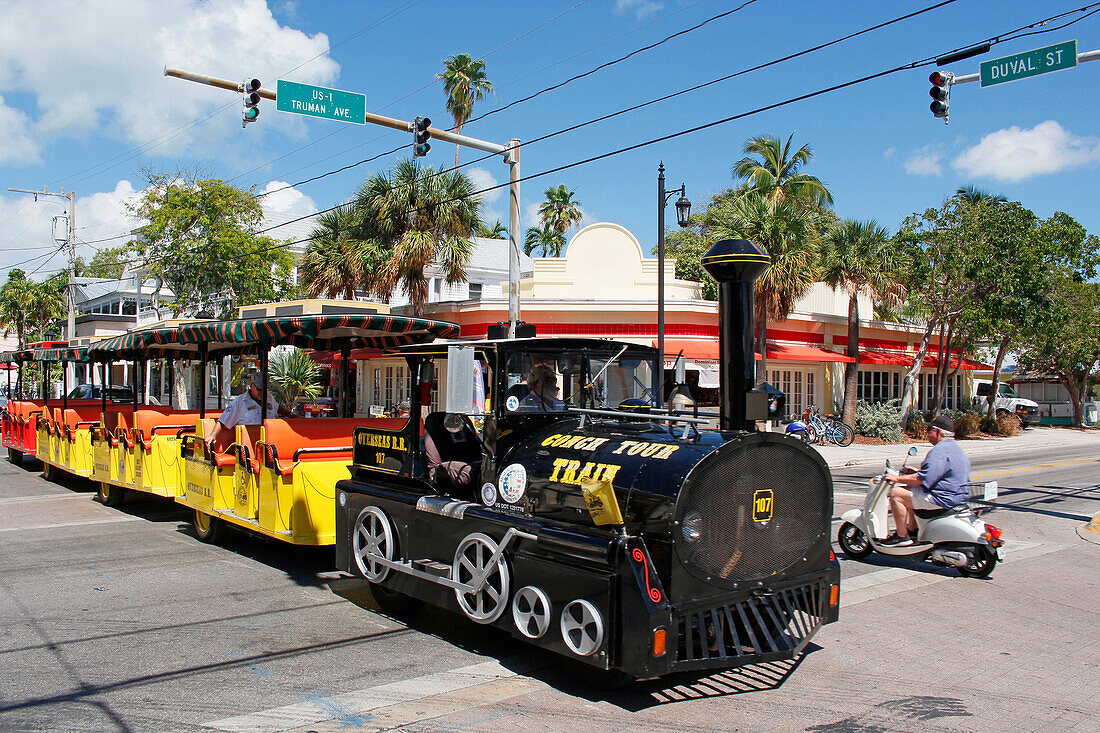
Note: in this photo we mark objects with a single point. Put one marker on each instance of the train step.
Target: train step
(438, 569)
(253, 522)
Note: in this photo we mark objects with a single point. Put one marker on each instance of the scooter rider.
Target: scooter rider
(941, 483)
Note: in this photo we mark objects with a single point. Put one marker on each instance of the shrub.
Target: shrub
(915, 426)
(966, 425)
(879, 420)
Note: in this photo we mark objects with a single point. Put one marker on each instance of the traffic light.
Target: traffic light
(940, 93)
(421, 136)
(251, 89)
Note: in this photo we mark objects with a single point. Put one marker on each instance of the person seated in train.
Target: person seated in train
(244, 409)
(543, 397)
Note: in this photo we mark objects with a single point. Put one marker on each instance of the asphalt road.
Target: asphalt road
(122, 620)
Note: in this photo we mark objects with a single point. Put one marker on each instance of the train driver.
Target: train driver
(245, 410)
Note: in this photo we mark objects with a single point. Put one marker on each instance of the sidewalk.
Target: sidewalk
(1030, 439)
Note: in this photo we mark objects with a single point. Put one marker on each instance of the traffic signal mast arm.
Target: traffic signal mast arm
(1081, 58)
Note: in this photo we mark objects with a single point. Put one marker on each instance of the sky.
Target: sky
(84, 105)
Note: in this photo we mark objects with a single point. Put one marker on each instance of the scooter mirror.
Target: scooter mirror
(889, 464)
(913, 451)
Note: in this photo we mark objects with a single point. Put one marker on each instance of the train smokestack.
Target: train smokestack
(735, 264)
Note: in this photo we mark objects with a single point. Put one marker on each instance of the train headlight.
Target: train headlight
(343, 499)
(692, 527)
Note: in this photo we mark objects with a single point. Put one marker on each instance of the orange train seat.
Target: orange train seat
(288, 441)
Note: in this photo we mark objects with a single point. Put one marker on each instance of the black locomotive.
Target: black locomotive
(582, 520)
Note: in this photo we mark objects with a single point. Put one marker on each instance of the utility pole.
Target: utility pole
(70, 290)
(509, 152)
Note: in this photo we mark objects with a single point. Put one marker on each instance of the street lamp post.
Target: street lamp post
(683, 211)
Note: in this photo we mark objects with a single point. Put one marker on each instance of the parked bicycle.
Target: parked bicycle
(827, 428)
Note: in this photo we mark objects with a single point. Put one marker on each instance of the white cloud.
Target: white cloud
(17, 145)
(642, 8)
(889, 152)
(285, 204)
(99, 65)
(924, 162)
(26, 228)
(1015, 154)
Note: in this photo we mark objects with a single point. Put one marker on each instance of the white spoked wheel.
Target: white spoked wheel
(582, 627)
(372, 539)
(531, 611)
(471, 562)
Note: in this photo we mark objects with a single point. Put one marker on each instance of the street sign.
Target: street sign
(1029, 63)
(331, 104)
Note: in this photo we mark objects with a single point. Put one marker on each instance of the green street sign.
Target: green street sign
(1029, 63)
(332, 104)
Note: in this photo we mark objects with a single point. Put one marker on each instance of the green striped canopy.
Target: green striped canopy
(63, 353)
(155, 342)
(17, 357)
(319, 331)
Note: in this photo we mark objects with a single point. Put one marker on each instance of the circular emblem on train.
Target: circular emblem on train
(488, 495)
(513, 482)
(512, 403)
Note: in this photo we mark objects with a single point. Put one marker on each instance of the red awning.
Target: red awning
(902, 358)
(704, 349)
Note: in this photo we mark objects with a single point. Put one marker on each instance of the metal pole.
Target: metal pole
(71, 290)
(264, 347)
(660, 283)
(513, 236)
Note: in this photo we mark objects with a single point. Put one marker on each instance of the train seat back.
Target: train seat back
(288, 441)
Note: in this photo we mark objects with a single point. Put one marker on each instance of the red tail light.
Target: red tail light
(994, 533)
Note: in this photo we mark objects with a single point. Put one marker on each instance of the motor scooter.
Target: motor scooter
(954, 537)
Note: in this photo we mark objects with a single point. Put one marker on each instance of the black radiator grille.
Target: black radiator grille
(723, 536)
(767, 625)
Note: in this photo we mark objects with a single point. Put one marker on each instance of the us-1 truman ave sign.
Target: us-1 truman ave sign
(331, 104)
(1029, 63)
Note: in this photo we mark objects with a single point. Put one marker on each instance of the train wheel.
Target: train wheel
(853, 541)
(531, 611)
(372, 539)
(109, 495)
(394, 603)
(207, 528)
(472, 560)
(50, 472)
(15, 456)
(582, 627)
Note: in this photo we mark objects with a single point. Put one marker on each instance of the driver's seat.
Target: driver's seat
(453, 460)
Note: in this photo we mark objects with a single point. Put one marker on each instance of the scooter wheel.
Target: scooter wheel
(981, 565)
(853, 541)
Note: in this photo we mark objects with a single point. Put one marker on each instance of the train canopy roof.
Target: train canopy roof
(62, 353)
(322, 332)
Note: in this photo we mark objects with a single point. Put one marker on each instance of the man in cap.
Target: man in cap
(544, 389)
(941, 482)
(244, 409)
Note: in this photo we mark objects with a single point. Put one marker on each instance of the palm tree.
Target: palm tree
(560, 211)
(789, 234)
(775, 173)
(858, 257)
(16, 298)
(465, 82)
(48, 303)
(974, 195)
(545, 239)
(421, 217)
(340, 257)
(295, 374)
(496, 231)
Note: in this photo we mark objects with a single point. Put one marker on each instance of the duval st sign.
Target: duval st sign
(331, 104)
(1029, 63)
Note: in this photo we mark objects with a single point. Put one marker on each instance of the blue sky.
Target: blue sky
(84, 105)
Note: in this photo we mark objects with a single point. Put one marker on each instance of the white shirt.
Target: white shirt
(243, 410)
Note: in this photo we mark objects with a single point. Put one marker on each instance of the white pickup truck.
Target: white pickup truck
(1008, 402)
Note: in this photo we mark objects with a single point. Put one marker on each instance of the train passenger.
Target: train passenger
(245, 410)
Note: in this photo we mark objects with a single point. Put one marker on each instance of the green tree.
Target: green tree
(788, 232)
(337, 261)
(108, 262)
(859, 258)
(16, 312)
(48, 303)
(1068, 345)
(560, 211)
(772, 169)
(202, 240)
(418, 217)
(496, 231)
(687, 246)
(465, 82)
(544, 239)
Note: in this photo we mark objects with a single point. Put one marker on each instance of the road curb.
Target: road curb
(1090, 530)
